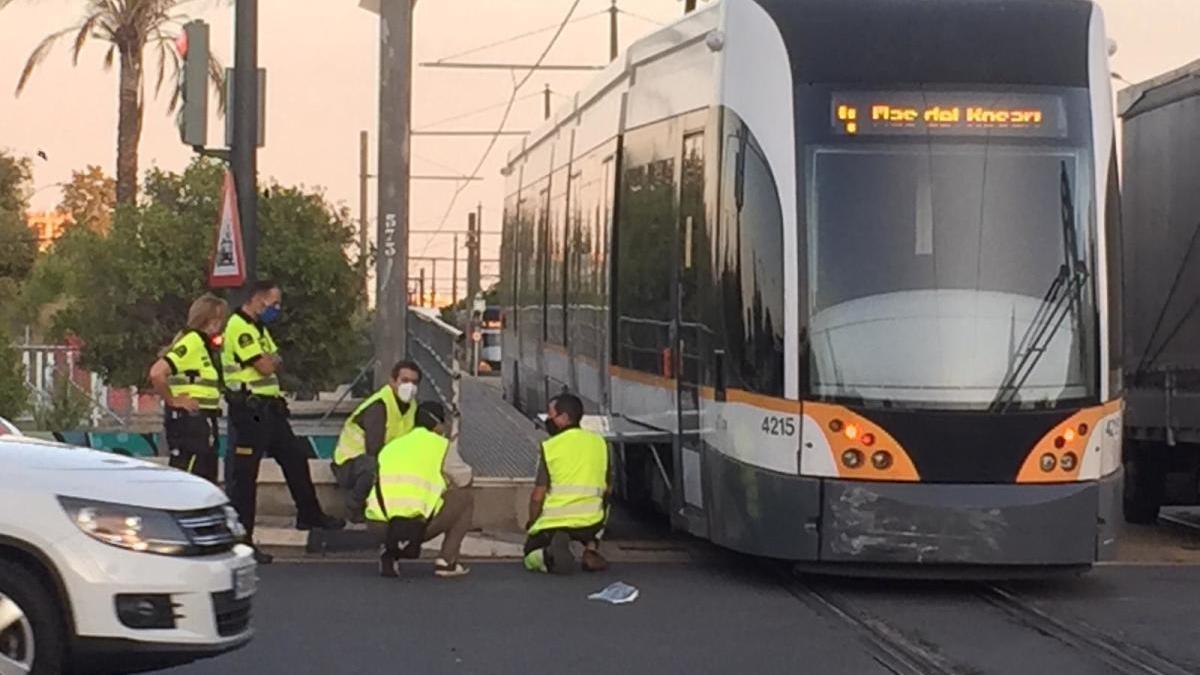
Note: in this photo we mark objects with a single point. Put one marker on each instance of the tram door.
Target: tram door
(693, 344)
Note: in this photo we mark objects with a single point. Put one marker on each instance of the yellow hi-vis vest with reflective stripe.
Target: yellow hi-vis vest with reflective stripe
(577, 462)
(193, 373)
(244, 342)
(410, 482)
(352, 442)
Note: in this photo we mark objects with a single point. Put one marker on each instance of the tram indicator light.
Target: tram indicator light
(899, 113)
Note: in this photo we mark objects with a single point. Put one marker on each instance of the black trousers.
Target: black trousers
(583, 535)
(259, 427)
(192, 442)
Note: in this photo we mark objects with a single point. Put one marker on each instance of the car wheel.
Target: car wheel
(32, 638)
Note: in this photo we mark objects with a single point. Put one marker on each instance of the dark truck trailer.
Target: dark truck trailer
(1161, 316)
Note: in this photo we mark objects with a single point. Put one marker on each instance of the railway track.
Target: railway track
(902, 652)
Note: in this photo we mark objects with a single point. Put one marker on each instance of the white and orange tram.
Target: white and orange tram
(850, 267)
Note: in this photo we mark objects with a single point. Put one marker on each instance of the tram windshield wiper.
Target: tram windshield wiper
(1063, 299)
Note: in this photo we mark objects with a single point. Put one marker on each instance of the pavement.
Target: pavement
(711, 613)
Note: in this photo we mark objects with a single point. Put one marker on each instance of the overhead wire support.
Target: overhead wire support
(517, 86)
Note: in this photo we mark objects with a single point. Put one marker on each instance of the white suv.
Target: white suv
(109, 564)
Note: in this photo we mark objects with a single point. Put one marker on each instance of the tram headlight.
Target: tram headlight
(852, 458)
(1060, 443)
(836, 426)
(1049, 462)
(868, 440)
(851, 431)
(1069, 462)
(882, 460)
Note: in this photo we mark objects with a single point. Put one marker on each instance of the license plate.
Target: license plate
(245, 582)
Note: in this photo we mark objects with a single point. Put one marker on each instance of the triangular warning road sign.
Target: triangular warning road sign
(227, 268)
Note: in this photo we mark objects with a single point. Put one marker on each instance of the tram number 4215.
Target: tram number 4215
(779, 426)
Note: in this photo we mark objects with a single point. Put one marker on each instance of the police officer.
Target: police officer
(385, 416)
(422, 492)
(258, 415)
(569, 497)
(187, 379)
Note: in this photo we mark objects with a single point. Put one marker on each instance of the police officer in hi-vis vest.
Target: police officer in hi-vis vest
(187, 379)
(570, 495)
(422, 491)
(385, 416)
(258, 415)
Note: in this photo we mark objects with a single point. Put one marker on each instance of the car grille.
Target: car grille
(233, 616)
(208, 530)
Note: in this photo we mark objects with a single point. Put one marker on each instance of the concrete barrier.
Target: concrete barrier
(501, 504)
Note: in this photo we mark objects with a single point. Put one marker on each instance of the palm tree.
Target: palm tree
(129, 27)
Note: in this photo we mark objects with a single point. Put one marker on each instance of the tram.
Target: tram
(840, 278)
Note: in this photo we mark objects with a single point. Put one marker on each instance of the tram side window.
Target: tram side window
(1116, 260)
(556, 262)
(750, 264)
(646, 235)
(509, 259)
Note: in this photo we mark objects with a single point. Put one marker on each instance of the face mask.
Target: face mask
(270, 314)
(552, 427)
(405, 391)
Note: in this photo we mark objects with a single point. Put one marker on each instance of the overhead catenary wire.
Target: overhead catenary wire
(522, 36)
(504, 119)
(635, 15)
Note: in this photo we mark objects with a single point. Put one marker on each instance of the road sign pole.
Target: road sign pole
(244, 151)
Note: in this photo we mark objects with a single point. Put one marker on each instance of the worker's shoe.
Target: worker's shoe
(325, 522)
(559, 559)
(262, 557)
(593, 561)
(389, 565)
(447, 570)
(535, 561)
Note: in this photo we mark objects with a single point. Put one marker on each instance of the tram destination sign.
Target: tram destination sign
(909, 113)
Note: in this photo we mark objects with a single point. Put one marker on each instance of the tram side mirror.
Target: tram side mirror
(719, 374)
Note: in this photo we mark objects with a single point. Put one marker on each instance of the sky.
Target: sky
(322, 58)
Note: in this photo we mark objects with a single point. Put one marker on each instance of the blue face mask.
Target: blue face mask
(270, 314)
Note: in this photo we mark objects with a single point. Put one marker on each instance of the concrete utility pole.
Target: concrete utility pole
(454, 275)
(395, 126)
(244, 151)
(364, 177)
(613, 47)
(473, 257)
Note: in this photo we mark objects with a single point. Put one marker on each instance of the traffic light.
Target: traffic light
(193, 84)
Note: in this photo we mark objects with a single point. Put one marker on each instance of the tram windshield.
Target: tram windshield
(949, 268)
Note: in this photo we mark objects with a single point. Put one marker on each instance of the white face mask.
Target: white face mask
(406, 391)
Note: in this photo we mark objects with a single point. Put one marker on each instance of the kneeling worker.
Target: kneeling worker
(387, 415)
(421, 492)
(569, 498)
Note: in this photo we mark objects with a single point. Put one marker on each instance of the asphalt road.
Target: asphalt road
(718, 615)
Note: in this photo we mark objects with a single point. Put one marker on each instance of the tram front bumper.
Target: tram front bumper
(946, 524)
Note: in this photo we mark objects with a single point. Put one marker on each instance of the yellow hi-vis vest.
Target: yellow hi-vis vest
(352, 442)
(244, 342)
(410, 482)
(193, 373)
(577, 462)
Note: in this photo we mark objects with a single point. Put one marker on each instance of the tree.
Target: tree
(90, 197)
(14, 397)
(18, 245)
(127, 293)
(129, 27)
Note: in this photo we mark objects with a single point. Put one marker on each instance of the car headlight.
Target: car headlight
(129, 527)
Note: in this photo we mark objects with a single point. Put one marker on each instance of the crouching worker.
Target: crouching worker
(569, 498)
(421, 491)
(387, 415)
